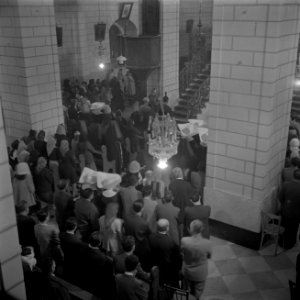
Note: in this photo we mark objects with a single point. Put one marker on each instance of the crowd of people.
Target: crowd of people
(106, 240)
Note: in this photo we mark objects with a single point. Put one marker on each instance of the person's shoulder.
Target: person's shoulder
(206, 242)
(185, 240)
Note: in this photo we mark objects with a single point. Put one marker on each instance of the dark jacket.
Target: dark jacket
(44, 182)
(64, 205)
(200, 212)
(119, 267)
(137, 227)
(87, 216)
(130, 288)
(182, 191)
(290, 199)
(72, 247)
(97, 275)
(25, 226)
(166, 255)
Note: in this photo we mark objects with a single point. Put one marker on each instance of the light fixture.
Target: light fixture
(101, 66)
(162, 164)
(162, 138)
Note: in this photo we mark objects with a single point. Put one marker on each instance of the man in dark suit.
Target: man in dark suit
(71, 246)
(64, 204)
(168, 211)
(290, 210)
(181, 189)
(128, 245)
(128, 286)
(86, 214)
(197, 211)
(136, 226)
(166, 254)
(96, 269)
(25, 226)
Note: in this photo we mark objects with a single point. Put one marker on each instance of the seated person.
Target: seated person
(128, 286)
(128, 245)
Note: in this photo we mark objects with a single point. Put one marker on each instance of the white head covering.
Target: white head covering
(109, 193)
(22, 168)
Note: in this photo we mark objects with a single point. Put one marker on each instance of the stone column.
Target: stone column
(254, 47)
(169, 30)
(30, 79)
(11, 272)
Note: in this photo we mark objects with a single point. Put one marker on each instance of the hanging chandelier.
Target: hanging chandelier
(162, 138)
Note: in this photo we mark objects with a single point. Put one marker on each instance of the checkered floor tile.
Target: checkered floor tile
(238, 273)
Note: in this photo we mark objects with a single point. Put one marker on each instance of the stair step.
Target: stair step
(296, 92)
(181, 108)
(180, 113)
(190, 91)
(181, 120)
(198, 80)
(295, 111)
(182, 102)
(296, 104)
(185, 96)
(201, 75)
(194, 84)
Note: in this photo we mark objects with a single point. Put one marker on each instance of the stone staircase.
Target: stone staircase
(296, 104)
(194, 97)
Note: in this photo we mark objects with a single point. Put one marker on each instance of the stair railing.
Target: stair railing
(189, 72)
(197, 100)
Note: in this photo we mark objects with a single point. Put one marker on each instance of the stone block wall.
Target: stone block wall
(253, 62)
(30, 79)
(10, 260)
(169, 29)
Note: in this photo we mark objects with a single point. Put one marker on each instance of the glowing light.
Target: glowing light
(297, 82)
(101, 66)
(162, 164)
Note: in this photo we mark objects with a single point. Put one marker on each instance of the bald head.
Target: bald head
(196, 227)
(163, 225)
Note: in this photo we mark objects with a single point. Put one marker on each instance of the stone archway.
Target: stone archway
(118, 29)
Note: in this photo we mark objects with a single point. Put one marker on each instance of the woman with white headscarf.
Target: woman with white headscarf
(23, 187)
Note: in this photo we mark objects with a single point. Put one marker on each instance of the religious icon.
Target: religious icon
(126, 10)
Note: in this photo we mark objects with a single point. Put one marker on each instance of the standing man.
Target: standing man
(168, 211)
(166, 254)
(181, 189)
(196, 250)
(197, 211)
(86, 214)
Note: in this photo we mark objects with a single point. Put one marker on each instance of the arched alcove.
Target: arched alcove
(119, 28)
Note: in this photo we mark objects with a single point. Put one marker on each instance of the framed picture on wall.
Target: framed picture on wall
(125, 12)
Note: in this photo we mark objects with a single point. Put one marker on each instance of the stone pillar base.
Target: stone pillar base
(237, 210)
